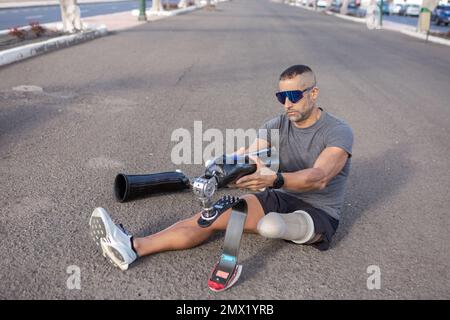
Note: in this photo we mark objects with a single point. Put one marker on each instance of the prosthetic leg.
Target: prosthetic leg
(227, 271)
(218, 174)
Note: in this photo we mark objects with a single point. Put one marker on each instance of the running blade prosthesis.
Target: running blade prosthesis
(227, 271)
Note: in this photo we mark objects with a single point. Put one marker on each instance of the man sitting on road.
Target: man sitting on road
(301, 202)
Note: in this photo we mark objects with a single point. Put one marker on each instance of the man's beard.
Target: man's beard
(300, 116)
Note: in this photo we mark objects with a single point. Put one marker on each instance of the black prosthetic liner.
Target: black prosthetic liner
(129, 187)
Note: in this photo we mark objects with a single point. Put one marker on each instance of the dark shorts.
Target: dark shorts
(277, 201)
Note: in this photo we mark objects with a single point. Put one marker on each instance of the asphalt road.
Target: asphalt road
(111, 105)
(44, 14)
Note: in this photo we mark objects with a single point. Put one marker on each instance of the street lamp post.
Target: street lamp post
(142, 15)
(381, 13)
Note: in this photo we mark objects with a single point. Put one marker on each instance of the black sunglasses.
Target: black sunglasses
(294, 96)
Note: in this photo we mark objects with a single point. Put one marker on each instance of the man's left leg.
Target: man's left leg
(122, 249)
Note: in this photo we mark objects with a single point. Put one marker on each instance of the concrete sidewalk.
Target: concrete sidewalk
(128, 19)
(117, 21)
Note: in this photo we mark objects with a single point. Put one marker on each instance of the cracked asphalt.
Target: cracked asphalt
(111, 105)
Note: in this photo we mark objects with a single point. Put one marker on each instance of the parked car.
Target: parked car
(397, 8)
(412, 10)
(441, 14)
(319, 3)
(336, 5)
(402, 11)
(354, 9)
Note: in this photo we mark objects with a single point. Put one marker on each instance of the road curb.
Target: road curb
(423, 36)
(34, 49)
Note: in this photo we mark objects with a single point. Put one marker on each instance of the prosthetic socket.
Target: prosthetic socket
(129, 187)
(219, 173)
(296, 226)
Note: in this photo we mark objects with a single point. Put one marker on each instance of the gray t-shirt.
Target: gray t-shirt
(300, 147)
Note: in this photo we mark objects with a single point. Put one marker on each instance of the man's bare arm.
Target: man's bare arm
(329, 163)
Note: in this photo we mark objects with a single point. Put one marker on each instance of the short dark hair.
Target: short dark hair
(294, 71)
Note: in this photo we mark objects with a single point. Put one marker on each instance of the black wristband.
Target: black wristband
(279, 181)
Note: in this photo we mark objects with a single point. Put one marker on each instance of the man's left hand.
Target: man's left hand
(262, 178)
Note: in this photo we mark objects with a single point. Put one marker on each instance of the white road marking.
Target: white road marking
(34, 17)
(28, 88)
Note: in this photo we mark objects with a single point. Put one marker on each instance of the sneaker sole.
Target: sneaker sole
(113, 256)
(97, 230)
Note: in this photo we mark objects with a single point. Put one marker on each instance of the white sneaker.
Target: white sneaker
(113, 240)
